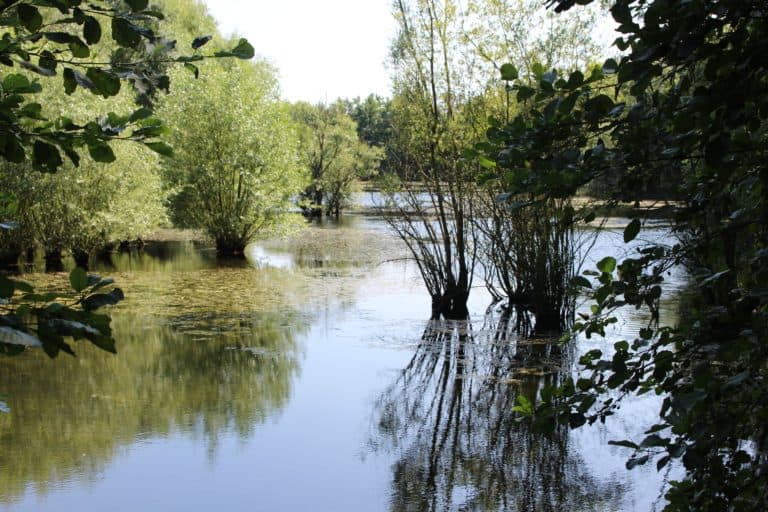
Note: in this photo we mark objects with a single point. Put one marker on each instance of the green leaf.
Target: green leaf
(508, 72)
(70, 84)
(537, 69)
(195, 70)
(78, 278)
(598, 107)
(32, 111)
(47, 60)
(581, 281)
(137, 115)
(98, 300)
(46, 156)
(243, 50)
(607, 265)
(15, 83)
(637, 461)
(631, 231)
(79, 49)
(59, 37)
(575, 80)
(105, 343)
(610, 66)
(125, 33)
(72, 155)
(91, 30)
(524, 92)
(75, 329)
(12, 150)
(13, 336)
(30, 17)
(524, 405)
(101, 152)
(486, 163)
(199, 42)
(137, 5)
(160, 148)
(625, 443)
(654, 440)
(6, 288)
(73, 78)
(105, 83)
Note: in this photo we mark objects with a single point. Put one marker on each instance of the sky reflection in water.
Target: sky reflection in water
(304, 379)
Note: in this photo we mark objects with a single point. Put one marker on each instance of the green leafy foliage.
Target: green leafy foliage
(53, 320)
(669, 108)
(141, 58)
(79, 203)
(334, 154)
(234, 173)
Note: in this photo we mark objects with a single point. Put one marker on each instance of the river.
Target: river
(305, 378)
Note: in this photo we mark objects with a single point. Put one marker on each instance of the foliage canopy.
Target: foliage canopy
(234, 173)
(672, 104)
(43, 39)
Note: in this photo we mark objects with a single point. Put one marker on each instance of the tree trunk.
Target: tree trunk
(10, 259)
(317, 200)
(452, 305)
(229, 247)
(82, 258)
(54, 261)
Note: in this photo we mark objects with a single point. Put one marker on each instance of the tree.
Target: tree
(44, 38)
(334, 154)
(683, 112)
(44, 41)
(234, 173)
(432, 208)
(373, 118)
(86, 208)
(521, 31)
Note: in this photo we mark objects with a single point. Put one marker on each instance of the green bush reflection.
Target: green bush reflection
(204, 353)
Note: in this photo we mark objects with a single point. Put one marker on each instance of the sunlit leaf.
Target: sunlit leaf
(13, 336)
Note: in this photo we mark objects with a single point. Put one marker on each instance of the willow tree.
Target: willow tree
(52, 39)
(236, 168)
(86, 208)
(334, 154)
(432, 210)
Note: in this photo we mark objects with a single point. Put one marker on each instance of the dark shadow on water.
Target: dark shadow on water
(448, 418)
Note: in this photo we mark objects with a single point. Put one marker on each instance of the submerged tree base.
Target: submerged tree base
(451, 306)
(230, 248)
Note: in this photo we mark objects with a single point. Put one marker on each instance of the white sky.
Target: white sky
(323, 49)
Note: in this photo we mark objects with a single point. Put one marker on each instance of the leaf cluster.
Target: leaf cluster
(50, 320)
(689, 98)
(59, 38)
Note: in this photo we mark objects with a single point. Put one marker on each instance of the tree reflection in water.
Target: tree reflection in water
(449, 417)
(205, 376)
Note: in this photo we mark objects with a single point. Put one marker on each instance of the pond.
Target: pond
(305, 378)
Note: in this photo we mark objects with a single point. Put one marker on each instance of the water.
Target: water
(306, 378)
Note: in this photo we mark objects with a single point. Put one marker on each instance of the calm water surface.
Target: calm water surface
(306, 378)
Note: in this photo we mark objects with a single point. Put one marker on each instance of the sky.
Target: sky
(323, 50)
